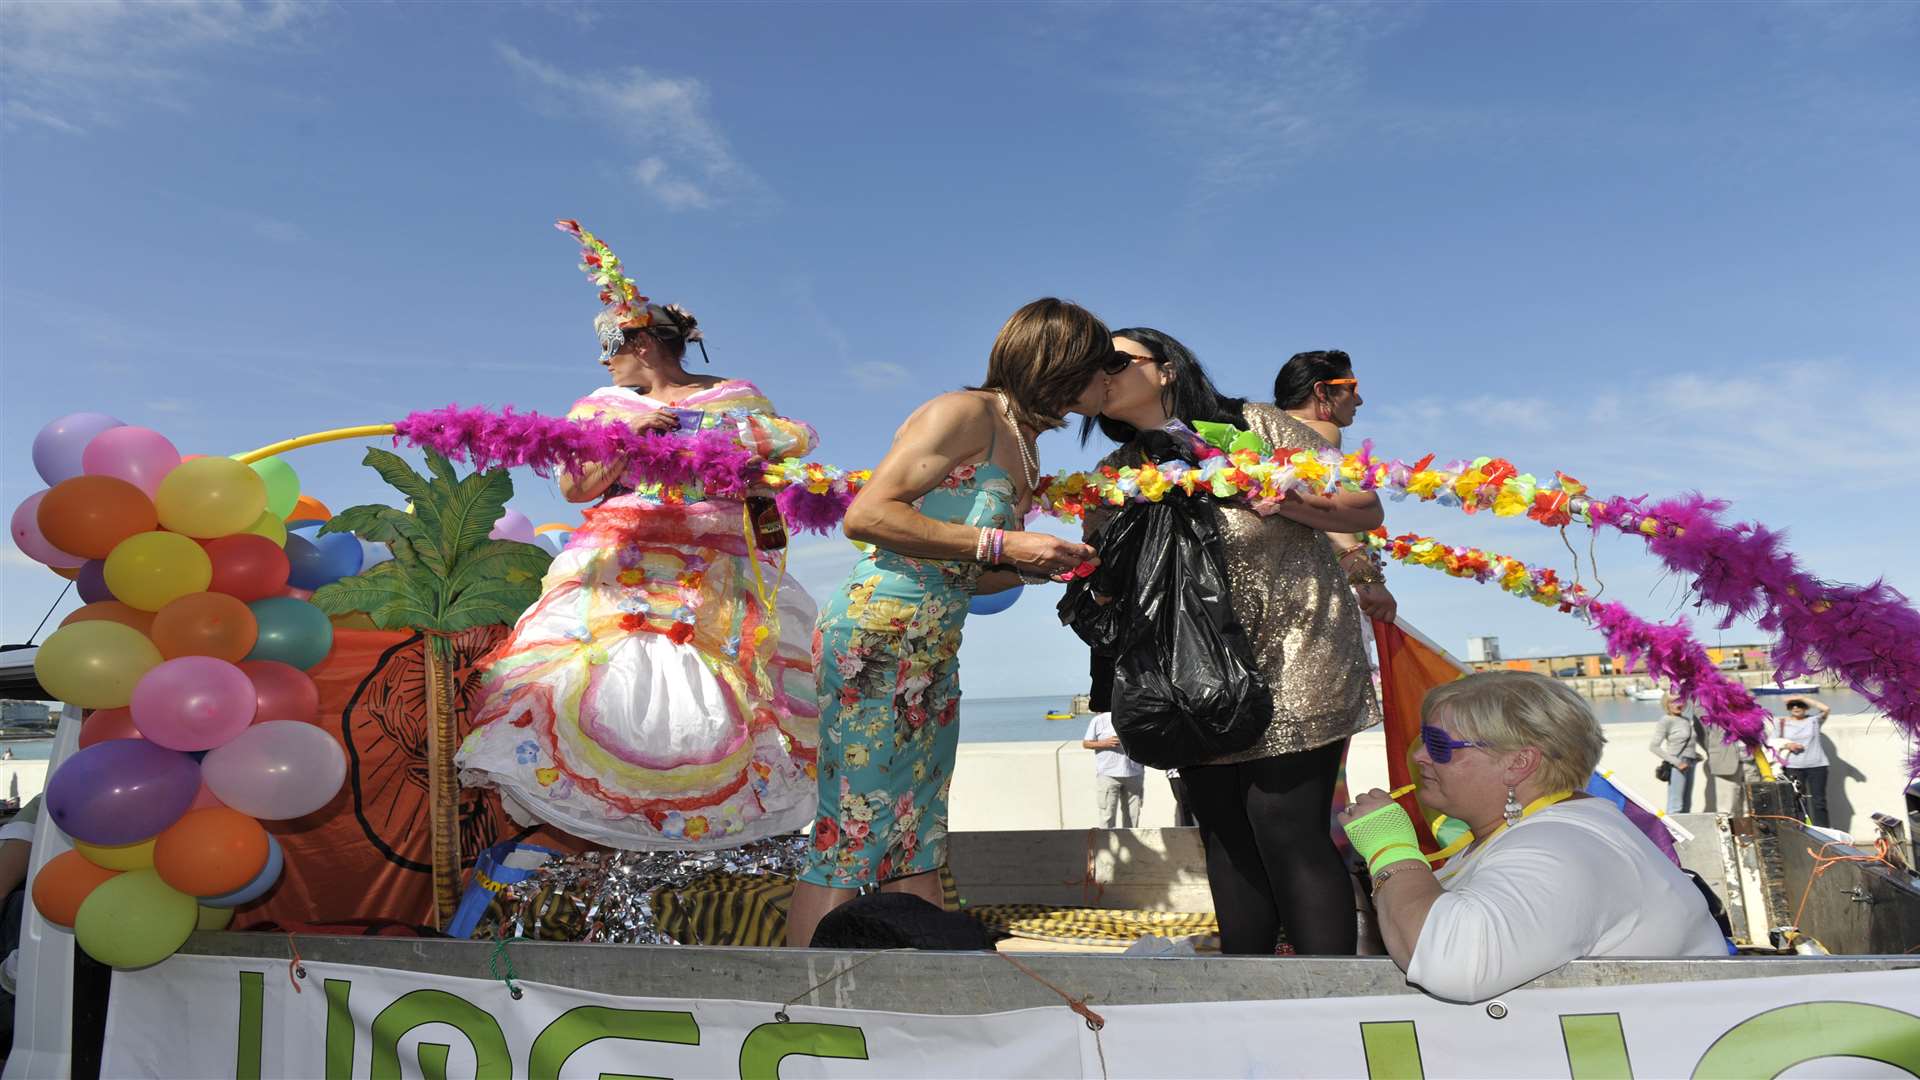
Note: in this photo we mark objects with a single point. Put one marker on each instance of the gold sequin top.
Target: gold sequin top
(1300, 615)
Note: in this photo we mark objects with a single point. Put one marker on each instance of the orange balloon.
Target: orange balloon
(113, 611)
(309, 509)
(104, 724)
(89, 515)
(210, 852)
(205, 624)
(66, 880)
(68, 572)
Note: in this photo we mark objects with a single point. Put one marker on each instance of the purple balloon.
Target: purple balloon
(25, 530)
(193, 703)
(59, 446)
(140, 456)
(276, 769)
(253, 890)
(92, 582)
(513, 525)
(121, 791)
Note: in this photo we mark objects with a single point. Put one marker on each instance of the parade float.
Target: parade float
(255, 857)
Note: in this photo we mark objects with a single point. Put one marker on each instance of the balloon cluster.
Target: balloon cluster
(192, 652)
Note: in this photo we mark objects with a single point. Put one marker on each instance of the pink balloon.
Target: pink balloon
(282, 692)
(513, 525)
(193, 703)
(25, 530)
(277, 770)
(140, 456)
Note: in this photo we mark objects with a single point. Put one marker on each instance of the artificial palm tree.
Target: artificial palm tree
(445, 576)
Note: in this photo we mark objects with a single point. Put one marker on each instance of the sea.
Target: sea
(1024, 719)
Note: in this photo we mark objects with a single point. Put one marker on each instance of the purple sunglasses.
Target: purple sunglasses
(1440, 745)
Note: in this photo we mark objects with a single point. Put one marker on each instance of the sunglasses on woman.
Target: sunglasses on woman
(1440, 745)
(1119, 362)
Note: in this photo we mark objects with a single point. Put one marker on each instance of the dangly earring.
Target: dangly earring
(1513, 809)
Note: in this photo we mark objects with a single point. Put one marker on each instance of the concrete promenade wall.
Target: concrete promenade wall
(1049, 785)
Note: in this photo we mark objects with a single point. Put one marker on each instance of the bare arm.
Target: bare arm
(594, 480)
(1342, 511)
(1402, 903)
(944, 433)
(14, 856)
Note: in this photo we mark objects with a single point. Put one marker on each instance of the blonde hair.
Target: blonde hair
(1509, 710)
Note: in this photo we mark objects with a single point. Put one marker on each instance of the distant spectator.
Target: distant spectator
(1120, 780)
(1723, 790)
(1676, 739)
(1797, 738)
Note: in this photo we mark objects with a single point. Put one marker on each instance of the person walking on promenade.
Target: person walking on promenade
(1676, 740)
(1804, 755)
(1120, 782)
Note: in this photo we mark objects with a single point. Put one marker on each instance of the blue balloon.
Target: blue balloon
(253, 890)
(995, 603)
(291, 631)
(321, 560)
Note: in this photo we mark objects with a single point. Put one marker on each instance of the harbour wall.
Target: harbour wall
(1050, 785)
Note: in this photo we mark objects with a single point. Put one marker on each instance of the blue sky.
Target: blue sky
(1660, 247)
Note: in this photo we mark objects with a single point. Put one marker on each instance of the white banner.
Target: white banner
(196, 1016)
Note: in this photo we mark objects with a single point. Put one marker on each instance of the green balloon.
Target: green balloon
(134, 920)
(283, 485)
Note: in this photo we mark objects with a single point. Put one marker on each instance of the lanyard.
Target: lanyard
(1460, 854)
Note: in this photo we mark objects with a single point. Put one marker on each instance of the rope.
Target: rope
(296, 967)
(780, 1014)
(1079, 1005)
(498, 954)
(49, 614)
(1822, 862)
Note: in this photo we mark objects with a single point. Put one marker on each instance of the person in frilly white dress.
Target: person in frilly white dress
(659, 695)
(1551, 875)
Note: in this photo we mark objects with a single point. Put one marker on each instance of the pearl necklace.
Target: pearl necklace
(1029, 464)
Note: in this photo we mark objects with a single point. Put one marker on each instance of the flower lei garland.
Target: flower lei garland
(1668, 651)
(1868, 634)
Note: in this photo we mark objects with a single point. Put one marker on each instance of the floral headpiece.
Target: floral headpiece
(626, 309)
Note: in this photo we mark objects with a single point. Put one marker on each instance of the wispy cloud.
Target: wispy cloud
(1248, 88)
(687, 164)
(74, 67)
(1738, 432)
(878, 375)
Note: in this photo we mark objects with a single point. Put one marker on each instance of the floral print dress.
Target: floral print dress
(886, 656)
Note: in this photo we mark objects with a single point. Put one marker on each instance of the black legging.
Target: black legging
(1270, 855)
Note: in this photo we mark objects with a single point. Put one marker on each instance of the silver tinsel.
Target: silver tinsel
(608, 895)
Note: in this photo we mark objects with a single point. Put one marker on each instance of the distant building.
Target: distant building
(1483, 650)
(1594, 665)
(25, 714)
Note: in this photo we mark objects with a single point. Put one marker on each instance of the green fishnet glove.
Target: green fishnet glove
(1384, 836)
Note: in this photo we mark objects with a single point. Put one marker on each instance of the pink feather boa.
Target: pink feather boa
(1868, 634)
(1673, 657)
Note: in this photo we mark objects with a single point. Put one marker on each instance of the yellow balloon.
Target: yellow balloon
(270, 527)
(135, 920)
(94, 664)
(151, 570)
(118, 857)
(214, 918)
(209, 497)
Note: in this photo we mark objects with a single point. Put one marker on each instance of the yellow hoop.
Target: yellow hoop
(364, 431)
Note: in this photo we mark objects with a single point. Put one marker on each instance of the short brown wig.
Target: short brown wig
(1044, 357)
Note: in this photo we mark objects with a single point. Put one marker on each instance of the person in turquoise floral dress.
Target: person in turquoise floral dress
(943, 507)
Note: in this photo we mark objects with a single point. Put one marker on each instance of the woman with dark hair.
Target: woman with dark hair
(943, 507)
(1319, 390)
(1265, 812)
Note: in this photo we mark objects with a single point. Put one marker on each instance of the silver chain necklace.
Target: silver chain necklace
(1029, 464)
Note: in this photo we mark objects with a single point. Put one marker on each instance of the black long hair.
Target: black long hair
(1293, 387)
(1190, 395)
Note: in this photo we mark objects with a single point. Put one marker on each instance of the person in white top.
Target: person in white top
(1804, 756)
(1553, 874)
(1120, 780)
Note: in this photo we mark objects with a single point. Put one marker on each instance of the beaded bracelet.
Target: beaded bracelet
(980, 547)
